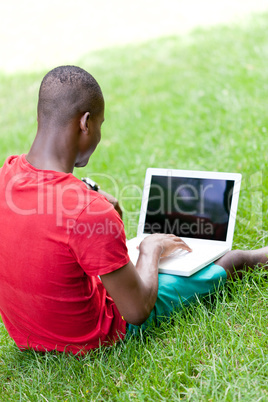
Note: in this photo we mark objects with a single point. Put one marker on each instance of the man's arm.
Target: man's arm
(112, 200)
(134, 289)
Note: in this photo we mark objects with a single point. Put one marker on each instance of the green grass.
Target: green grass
(193, 102)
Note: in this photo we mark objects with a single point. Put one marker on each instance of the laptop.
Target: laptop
(199, 207)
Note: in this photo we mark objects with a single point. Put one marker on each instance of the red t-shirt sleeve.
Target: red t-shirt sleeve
(97, 238)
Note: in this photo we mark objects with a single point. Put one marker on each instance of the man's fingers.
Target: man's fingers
(182, 244)
(173, 246)
(169, 242)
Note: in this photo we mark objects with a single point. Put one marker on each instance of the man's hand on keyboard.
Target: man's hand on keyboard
(168, 244)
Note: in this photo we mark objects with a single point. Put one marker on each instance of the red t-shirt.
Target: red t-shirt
(56, 238)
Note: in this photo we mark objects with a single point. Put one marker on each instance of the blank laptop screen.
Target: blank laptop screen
(189, 207)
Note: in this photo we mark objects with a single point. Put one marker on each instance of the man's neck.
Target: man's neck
(43, 163)
(48, 155)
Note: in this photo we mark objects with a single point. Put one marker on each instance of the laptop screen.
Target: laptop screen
(189, 207)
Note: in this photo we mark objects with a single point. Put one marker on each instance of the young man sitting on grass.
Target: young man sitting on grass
(66, 281)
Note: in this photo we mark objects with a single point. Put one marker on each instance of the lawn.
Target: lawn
(192, 102)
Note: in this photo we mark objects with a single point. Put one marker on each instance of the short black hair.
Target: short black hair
(67, 91)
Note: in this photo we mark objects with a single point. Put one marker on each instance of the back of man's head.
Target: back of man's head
(67, 92)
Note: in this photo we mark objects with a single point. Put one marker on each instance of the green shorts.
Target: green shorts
(175, 291)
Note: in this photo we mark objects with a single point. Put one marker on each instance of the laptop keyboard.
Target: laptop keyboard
(199, 252)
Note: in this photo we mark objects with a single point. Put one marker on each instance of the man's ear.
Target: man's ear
(84, 122)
